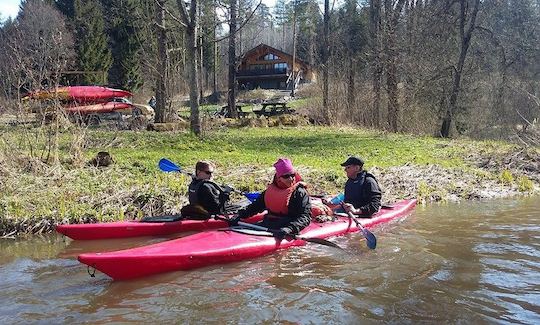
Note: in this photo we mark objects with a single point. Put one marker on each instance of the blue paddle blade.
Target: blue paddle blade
(252, 196)
(168, 166)
(370, 238)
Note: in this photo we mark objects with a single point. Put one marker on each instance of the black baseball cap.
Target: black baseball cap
(353, 160)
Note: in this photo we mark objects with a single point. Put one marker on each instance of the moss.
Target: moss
(506, 177)
(525, 184)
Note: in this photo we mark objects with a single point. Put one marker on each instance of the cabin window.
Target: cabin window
(269, 57)
(280, 66)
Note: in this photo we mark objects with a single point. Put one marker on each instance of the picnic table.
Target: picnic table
(274, 108)
(224, 112)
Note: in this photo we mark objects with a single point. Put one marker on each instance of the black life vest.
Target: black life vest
(354, 189)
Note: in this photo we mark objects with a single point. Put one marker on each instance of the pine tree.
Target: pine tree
(92, 47)
(124, 29)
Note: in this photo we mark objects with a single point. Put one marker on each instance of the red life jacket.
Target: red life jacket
(277, 199)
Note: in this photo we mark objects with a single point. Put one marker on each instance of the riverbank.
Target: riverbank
(36, 195)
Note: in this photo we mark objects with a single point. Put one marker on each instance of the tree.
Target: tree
(124, 31)
(35, 48)
(282, 17)
(325, 55)
(231, 94)
(353, 42)
(375, 28)
(190, 22)
(467, 20)
(162, 69)
(392, 12)
(92, 42)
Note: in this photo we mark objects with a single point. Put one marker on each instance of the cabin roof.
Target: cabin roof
(267, 48)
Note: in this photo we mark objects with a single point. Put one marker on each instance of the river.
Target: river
(474, 262)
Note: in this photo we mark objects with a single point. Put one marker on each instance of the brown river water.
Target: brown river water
(468, 263)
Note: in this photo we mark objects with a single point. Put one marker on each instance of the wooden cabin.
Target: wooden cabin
(269, 68)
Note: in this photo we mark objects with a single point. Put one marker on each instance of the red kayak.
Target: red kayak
(220, 246)
(154, 226)
(97, 108)
(80, 93)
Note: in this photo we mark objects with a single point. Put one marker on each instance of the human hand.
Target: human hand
(283, 232)
(350, 208)
(234, 220)
(227, 188)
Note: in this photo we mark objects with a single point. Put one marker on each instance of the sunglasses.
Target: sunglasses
(207, 172)
(287, 176)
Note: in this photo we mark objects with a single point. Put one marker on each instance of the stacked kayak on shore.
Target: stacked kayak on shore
(156, 226)
(81, 94)
(221, 246)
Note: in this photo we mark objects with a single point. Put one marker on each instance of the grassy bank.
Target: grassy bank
(35, 195)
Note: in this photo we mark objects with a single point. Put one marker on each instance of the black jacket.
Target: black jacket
(209, 195)
(298, 217)
(364, 193)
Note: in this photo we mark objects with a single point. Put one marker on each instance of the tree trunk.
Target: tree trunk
(294, 48)
(214, 68)
(325, 55)
(162, 64)
(231, 95)
(392, 19)
(192, 68)
(375, 24)
(465, 43)
(351, 87)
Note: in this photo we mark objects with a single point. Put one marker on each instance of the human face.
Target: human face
(351, 170)
(287, 179)
(205, 174)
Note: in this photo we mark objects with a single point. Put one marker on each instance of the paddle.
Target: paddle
(371, 240)
(168, 166)
(338, 198)
(261, 228)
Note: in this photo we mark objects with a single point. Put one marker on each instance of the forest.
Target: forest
(435, 67)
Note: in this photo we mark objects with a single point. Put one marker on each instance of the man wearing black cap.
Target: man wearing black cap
(362, 192)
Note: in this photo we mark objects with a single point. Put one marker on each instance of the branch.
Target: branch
(170, 14)
(241, 26)
(183, 12)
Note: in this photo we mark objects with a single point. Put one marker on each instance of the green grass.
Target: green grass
(134, 185)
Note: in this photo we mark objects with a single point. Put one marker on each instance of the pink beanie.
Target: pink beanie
(284, 166)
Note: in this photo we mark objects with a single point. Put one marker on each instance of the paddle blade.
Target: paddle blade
(371, 240)
(168, 166)
(322, 242)
(252, 196)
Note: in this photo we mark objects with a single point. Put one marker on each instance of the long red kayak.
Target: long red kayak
(136, 228)
(220, 246)
(97, 108)
(80, 93)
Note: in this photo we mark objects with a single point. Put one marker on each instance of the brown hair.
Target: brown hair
(203, 165)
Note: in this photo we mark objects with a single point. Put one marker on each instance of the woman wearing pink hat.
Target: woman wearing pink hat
(286, 199)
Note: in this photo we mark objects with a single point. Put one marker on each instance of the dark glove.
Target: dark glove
(224, 197)
(283, 232)
(227, 189)
(234, 220)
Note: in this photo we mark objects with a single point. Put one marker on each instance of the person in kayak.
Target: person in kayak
(207, 194)
(286, 199)
(362, 192)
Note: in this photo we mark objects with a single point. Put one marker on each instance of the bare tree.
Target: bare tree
(325, 55)
(231, 93)
(162, 94)
(375, 37)
(467, 22)
(190, 22)
(392, 13)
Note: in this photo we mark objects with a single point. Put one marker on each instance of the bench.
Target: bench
(272, 109)
(224, 112)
